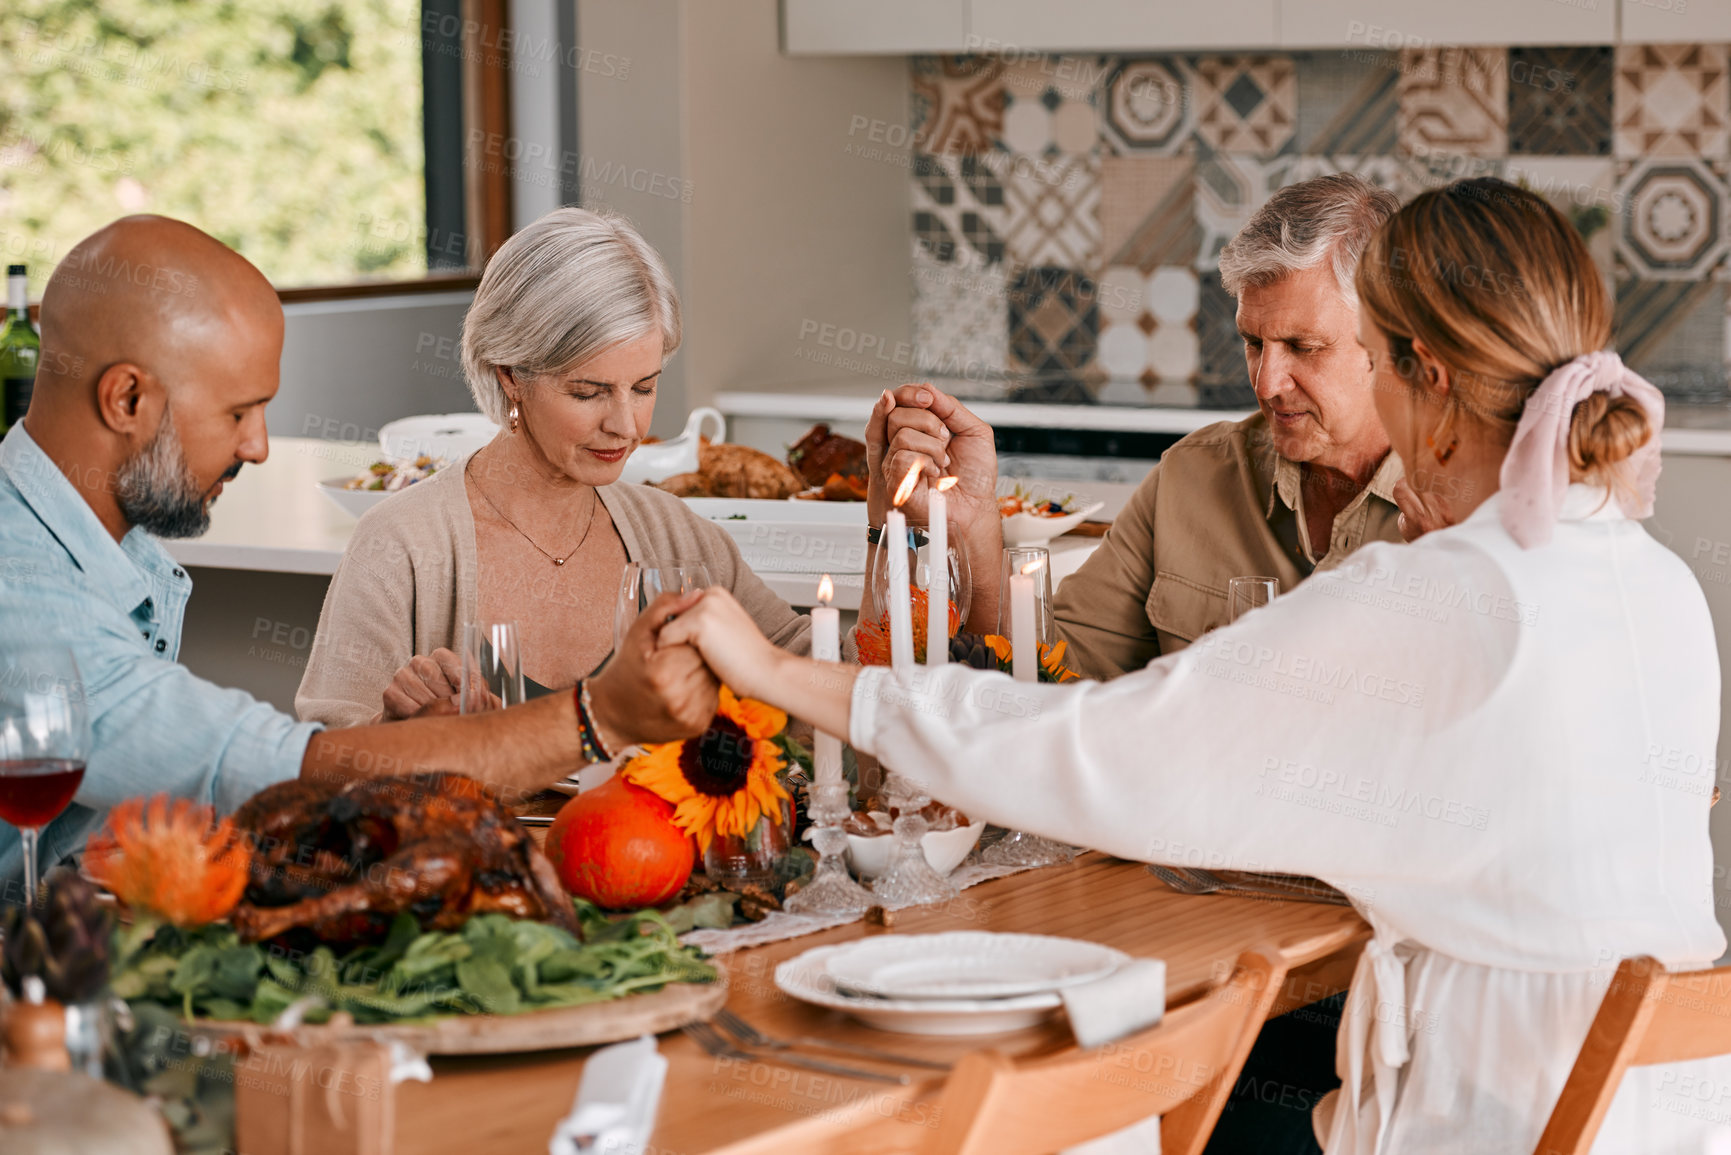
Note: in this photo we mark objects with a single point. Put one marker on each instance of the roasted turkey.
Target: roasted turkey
(822, 454)
(341, 861)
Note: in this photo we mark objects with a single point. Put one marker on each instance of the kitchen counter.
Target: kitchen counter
(1689, 428)
(272, 519)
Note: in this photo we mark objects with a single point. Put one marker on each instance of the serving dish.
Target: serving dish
(945, 850)
(445, 436)
(1033, 529)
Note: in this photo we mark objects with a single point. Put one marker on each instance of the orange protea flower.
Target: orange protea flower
(874, 637)
(171, 859)
(724, 781)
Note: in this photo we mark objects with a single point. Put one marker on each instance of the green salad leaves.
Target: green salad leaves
(493, 965)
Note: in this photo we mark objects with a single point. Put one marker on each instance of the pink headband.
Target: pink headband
(1535, 474)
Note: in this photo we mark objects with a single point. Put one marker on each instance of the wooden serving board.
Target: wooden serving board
(589, 1025)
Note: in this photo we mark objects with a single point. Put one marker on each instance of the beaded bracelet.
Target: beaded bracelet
(588, 733)
(875, 535)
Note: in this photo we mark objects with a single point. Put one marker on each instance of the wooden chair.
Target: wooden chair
(1649, 1016)
(1183, 1069)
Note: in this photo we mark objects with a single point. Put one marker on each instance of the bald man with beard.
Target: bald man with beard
(160, 350)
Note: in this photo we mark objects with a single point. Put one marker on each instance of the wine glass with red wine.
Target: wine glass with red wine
(44, 740)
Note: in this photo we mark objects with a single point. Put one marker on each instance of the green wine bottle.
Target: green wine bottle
(20, 350)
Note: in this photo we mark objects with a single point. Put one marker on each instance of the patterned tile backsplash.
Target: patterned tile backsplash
(1069, 211)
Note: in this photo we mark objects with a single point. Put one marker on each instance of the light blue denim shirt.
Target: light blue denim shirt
(119, 607)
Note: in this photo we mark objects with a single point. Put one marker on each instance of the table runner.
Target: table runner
(781, 925)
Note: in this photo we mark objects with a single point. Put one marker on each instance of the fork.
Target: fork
(715, 1044)
(752, 1037)
(1196, 881)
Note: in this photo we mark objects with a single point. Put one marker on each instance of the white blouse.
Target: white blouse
(1504, 756)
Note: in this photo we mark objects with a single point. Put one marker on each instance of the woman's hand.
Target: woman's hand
(428, 678)
(730, 642)
(1420, 513)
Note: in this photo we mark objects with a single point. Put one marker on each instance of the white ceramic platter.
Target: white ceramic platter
(807, 978)
(968, 964)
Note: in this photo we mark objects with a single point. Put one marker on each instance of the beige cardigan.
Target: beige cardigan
(407, 581)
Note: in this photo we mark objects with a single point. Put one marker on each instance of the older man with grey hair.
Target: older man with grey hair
(1291, 490)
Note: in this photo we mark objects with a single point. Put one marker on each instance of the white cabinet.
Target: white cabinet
(1120, 25)
(1418, 23)
(1676, 21)
(874, 26)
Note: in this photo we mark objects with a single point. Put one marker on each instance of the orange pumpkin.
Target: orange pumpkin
(617, 846)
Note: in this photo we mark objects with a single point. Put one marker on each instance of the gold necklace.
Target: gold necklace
(593, 505)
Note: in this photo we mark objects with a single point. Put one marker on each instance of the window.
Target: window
(324, 140)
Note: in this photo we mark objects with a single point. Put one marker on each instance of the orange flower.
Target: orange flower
(175, 860)
(874, 637)
(1052, 664)
(724, 781)
(1052, 668)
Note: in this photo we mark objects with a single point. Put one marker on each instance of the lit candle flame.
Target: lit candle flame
(945, 484)
(825, 589)
(1034, 565)
(906, 489)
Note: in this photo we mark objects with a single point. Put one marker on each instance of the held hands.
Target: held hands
(656, 688)
(730, 642)
(920, 425)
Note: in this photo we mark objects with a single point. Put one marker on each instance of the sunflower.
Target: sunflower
(873, 638)
(723, 781)
(993, 652)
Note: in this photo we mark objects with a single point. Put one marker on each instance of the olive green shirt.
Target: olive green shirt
(1227, 506)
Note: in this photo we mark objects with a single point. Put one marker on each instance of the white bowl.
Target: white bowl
(1031, 529)
(353, 502)
(944, 849)
(443, 435)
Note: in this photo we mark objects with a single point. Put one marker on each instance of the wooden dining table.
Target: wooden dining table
(729, 1107)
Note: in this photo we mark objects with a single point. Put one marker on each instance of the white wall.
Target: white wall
(350, 366)
(731, 158)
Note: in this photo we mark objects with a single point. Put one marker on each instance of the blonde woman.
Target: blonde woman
(1462, 733)
(572, 323)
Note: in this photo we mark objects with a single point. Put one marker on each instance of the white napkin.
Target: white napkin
(1130, 999)
(616, 1102)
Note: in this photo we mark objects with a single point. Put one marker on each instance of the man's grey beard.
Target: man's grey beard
(156, 490)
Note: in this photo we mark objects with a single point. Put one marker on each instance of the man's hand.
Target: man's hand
(1419, 512)
(651, 692)
(917, 425)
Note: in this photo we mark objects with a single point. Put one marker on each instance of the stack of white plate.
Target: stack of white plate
(966, 982)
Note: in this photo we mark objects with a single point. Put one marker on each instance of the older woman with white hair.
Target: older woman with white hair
(572, 323)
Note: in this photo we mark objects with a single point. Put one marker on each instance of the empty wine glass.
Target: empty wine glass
(877, 581)
(1025, 591)
(44, 741)
(641, 584)
(492, 667)
(1244, 594)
